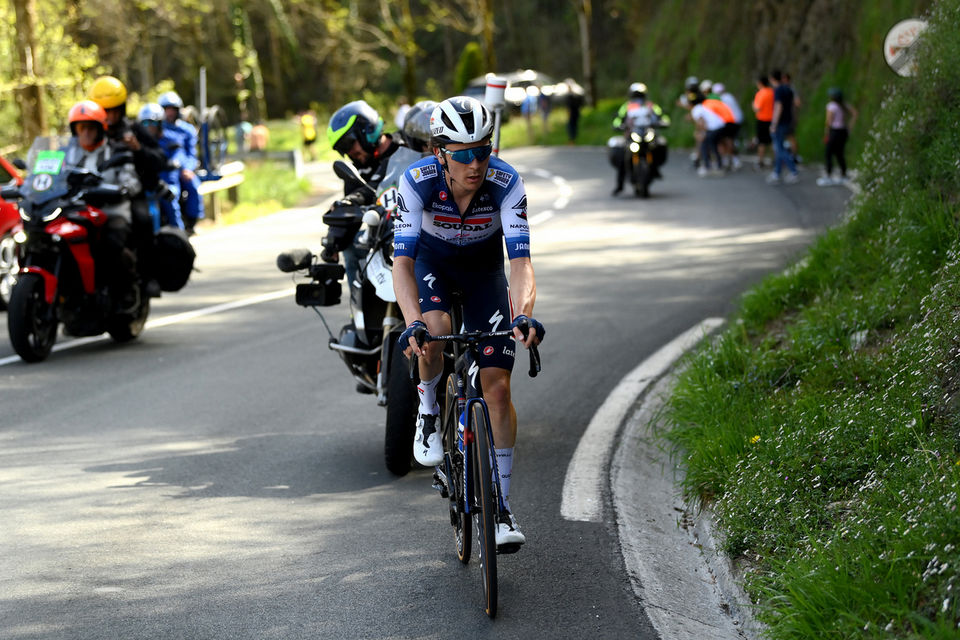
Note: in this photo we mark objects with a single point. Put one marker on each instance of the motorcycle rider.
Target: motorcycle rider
(458, 183)
(111, 94)
(151, 119)
(89, 149)
(186, 133)
(636, 111)
(416, 127)
(356, 131)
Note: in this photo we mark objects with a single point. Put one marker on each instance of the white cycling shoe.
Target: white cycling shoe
(427, 448)
(508, 535)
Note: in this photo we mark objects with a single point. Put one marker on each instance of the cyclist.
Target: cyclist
(192, 210)
(456, 208)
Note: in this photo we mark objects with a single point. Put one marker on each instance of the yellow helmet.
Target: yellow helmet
(108, 92)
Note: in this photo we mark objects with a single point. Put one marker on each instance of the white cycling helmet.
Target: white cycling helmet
(460, 119)
(150, 111)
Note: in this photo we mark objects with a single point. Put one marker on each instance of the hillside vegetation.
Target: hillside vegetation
(823, 426)
(822, 43)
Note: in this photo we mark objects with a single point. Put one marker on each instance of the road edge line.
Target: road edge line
(586, 475)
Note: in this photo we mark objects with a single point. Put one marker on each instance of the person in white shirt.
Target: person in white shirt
(712, 126)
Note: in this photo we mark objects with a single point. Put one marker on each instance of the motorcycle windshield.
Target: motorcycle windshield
(47, 177)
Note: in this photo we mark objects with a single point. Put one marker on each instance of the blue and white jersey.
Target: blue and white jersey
(429, 223)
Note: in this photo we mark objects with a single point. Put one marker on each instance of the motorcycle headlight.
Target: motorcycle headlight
(635, 136)
(20, 237)
(52, 215)
(649, 135)
(634, 147)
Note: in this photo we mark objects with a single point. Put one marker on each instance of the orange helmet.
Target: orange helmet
(88, 111)
(108, 92)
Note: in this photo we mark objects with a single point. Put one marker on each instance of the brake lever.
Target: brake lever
(525, 329)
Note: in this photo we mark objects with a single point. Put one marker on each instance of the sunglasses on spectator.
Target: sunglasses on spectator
(466, 156)
(150, 123)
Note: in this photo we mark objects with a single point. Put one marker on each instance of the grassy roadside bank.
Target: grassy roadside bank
(824, 425)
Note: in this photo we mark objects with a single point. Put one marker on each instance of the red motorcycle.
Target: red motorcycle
(57, 281)
(9, 218)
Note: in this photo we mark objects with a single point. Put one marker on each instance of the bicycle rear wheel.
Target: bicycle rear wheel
(462, 527)
(486, 504)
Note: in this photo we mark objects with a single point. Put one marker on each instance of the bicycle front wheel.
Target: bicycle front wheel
(485, 501)
(462, 527)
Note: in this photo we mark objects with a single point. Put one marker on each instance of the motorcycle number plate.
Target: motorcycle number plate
(381, 277)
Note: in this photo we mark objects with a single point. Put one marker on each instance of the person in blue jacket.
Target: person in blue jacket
(151, 118)
(186, 133)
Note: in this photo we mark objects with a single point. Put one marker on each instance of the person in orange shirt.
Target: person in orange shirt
(763, 109)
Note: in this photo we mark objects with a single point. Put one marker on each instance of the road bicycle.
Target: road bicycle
(468, 476)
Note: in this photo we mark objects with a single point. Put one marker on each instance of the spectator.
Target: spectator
(529, 107)
(792, 135)
(732, 132)
(711, 126)
(308, 131)
(763, 110)
(574, 103)
(543, 106)
(780, 126)
(835, 135)
(259, 137)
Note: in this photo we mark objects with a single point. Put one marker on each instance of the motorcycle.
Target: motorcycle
(61, 219)
(368, 345)
(9, 219)
(643, 149)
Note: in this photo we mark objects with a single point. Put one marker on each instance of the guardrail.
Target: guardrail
(231, 176)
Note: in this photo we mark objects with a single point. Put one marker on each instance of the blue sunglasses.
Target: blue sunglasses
(150, 123)
(466, 156)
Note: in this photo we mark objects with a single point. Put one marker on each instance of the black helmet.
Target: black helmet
(355, 121)
(416, 125)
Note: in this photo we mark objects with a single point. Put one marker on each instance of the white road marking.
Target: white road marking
(168, 320)
(583, 486)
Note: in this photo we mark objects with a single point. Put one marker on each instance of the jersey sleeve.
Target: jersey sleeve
(513, 218)
(407, 218)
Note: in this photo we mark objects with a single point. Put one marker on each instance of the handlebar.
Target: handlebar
(472, 339)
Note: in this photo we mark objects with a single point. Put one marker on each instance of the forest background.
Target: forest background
(272, 58)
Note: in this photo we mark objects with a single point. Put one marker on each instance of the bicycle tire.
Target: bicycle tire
(486, 502)
(462, 526)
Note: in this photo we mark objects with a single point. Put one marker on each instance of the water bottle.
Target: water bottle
(461, 425)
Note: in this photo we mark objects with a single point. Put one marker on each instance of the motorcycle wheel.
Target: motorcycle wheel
(8, 269)
(124, 328)
(32, 333)
(641, 178)
(402, 403)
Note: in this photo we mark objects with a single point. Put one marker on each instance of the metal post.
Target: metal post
(495, 100)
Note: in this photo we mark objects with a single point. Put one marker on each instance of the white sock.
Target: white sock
(505, 467)
(427, 390)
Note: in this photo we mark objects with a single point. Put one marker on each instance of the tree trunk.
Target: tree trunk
(488, 27)
(28, 92)
(585, 17)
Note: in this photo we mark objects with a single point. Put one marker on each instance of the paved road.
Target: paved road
(219, 477)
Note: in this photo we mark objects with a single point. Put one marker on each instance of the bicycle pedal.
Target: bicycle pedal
(506, 549)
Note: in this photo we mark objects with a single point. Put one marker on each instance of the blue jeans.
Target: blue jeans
(781, 154)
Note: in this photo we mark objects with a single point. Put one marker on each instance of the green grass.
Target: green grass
(824, 424)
